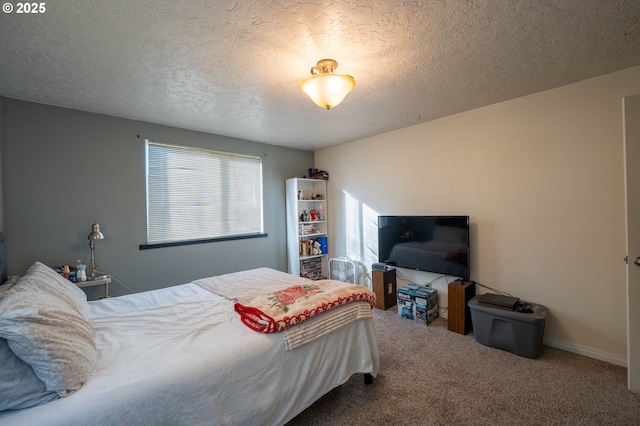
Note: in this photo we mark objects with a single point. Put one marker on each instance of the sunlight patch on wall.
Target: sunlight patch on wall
(361, 231)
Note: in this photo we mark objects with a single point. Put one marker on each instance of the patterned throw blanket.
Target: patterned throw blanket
(277, 311)
(242, 287)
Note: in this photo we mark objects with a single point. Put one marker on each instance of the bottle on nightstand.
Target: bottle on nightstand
(81, 272)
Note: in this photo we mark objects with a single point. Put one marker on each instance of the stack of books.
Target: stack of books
(311, 268)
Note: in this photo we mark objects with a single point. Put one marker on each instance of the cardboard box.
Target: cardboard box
(418, 303)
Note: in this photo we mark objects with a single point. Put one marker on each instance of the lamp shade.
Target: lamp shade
(95, 232)
(325, 88)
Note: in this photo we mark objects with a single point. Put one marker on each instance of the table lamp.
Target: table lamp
(94, 235)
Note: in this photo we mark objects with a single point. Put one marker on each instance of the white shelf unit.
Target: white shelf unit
(310, 196)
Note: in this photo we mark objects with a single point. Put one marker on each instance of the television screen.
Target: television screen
(438, 244)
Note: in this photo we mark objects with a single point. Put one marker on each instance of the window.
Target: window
(199, 194)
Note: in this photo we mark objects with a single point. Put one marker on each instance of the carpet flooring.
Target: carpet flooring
(431, 376)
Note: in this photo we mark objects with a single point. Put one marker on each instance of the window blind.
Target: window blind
(195, 193)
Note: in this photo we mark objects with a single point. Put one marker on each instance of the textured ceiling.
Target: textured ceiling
(234, 67)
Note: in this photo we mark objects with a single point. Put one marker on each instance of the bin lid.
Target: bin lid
(539, 312)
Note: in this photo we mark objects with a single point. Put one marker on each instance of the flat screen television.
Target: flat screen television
(438, 244)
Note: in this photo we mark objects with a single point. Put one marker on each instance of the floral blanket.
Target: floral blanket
(277, 311)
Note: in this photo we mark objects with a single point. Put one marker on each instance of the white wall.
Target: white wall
(541, 178)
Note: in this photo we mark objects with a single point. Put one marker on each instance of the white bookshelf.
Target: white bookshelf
(310, 196)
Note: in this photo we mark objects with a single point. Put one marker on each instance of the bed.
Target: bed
(183, 356)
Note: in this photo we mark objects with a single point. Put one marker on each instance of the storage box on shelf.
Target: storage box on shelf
(306, 211)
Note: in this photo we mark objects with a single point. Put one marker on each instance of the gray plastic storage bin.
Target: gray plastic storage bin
(513, 331)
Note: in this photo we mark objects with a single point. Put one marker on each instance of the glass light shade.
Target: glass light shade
(328, 90)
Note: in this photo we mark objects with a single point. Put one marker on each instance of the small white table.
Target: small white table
(101, 280)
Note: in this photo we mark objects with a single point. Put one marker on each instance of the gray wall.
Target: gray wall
(64, 169)
(1, 216)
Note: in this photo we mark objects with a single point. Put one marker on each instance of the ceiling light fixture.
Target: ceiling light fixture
(324, 87)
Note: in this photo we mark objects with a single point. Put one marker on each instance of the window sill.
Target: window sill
(203, 241)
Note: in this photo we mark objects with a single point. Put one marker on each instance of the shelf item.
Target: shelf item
(306, 215)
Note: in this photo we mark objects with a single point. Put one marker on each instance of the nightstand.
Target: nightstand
(102, 280)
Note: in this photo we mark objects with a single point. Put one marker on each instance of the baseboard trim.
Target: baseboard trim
(590, 352)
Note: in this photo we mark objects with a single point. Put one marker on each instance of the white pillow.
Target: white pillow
(49, 335)
(19, 386)
(40, 277)
(8, 284)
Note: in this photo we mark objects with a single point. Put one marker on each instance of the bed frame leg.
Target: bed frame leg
(368, 379)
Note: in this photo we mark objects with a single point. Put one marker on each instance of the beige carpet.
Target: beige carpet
(431, 376)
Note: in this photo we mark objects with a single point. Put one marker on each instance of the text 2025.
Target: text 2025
(31, 7)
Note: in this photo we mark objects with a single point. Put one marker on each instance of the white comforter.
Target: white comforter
(181, 356)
